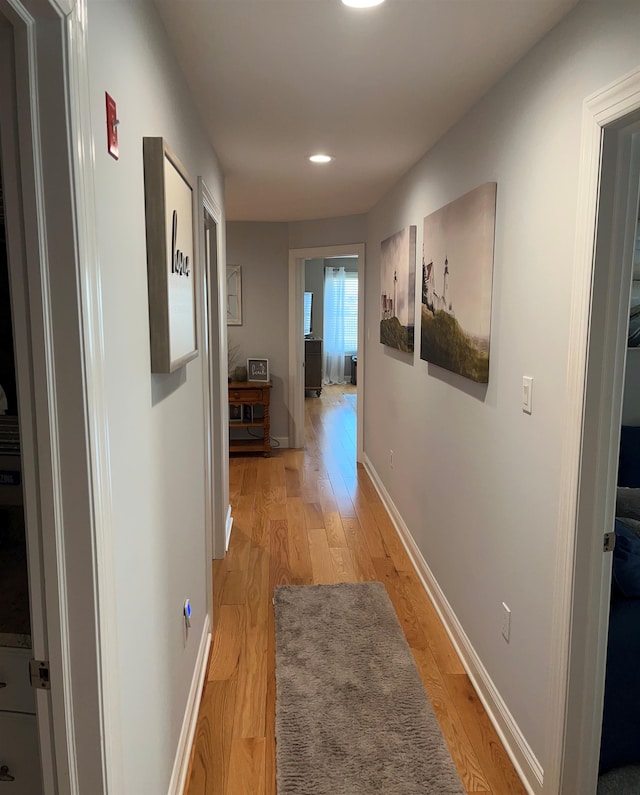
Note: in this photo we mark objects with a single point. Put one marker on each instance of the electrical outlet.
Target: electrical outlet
(391, 458)
(506, 622)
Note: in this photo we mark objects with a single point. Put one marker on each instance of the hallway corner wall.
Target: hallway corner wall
(156, 426)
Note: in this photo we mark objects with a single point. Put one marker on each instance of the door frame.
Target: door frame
(609, 161)
(16, 242)
(297, 257)
(215, 376)
(61, 365)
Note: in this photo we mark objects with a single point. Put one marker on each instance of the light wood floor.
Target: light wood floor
(303, 517)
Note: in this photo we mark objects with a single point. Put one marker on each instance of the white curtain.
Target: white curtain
(334, 289)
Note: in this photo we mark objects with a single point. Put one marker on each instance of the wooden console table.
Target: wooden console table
(249, 408)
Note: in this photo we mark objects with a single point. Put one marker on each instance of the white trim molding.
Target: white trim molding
(22, 183)
(566, 731)
(182, 759)
(83, 152)
(515, 744)
(227, 531)
(56, 164)
(214, 341)
(215, 367)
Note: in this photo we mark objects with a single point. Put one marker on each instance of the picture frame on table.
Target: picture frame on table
(258, 370)
(169, 222)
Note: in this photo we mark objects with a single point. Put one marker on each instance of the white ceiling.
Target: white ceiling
(277, 80)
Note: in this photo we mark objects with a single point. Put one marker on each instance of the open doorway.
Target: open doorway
(308, 273)
(609, 193)
(214, 336)
(619, 765)
(19, 743)
(331, 288)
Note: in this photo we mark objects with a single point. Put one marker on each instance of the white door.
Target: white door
(47, 145)
(23, 713)
(62, 439)
(608, 194)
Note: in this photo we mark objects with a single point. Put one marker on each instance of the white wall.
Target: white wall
(328, 231)
(479, 492)
(262, 249)
(155, 422)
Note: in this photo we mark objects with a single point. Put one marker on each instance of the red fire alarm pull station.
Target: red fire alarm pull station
(112, 127)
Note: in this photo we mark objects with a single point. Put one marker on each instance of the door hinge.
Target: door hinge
(39, 674)
(609, 541)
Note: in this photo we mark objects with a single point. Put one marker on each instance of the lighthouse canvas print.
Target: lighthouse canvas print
(457, 276)
(397, 289)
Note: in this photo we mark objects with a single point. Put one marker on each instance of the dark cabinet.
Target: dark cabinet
(313, 365)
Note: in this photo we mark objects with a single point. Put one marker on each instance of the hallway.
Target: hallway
(303, 517)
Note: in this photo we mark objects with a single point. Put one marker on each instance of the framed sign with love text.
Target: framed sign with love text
(168, 196)
(258, 370)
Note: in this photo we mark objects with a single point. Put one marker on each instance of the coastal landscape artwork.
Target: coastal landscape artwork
(457, 274)
(397, 289)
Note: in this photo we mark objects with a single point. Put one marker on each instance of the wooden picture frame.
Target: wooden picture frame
(258, 370)
(234, 295)
(169, 218)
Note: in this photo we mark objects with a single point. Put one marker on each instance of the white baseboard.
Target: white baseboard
(227, 531)
(516, 746)
(183, 753)
(283, 441)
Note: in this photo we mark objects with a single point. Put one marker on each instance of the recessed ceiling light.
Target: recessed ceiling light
(362, 3)
(320, 158)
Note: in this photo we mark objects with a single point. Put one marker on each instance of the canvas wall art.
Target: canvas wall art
(457, 275)
(397, 289)
(168, 195)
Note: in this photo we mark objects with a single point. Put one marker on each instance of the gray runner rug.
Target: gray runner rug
(352, 716)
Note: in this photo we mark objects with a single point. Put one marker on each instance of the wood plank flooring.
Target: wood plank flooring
(307, 517)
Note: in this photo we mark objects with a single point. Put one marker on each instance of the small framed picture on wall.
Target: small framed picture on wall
(234, 295)
(258, 370)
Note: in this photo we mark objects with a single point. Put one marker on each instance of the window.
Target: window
(351, 312)
(341, 310)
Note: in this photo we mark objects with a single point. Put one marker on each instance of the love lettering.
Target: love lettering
(179, 262)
